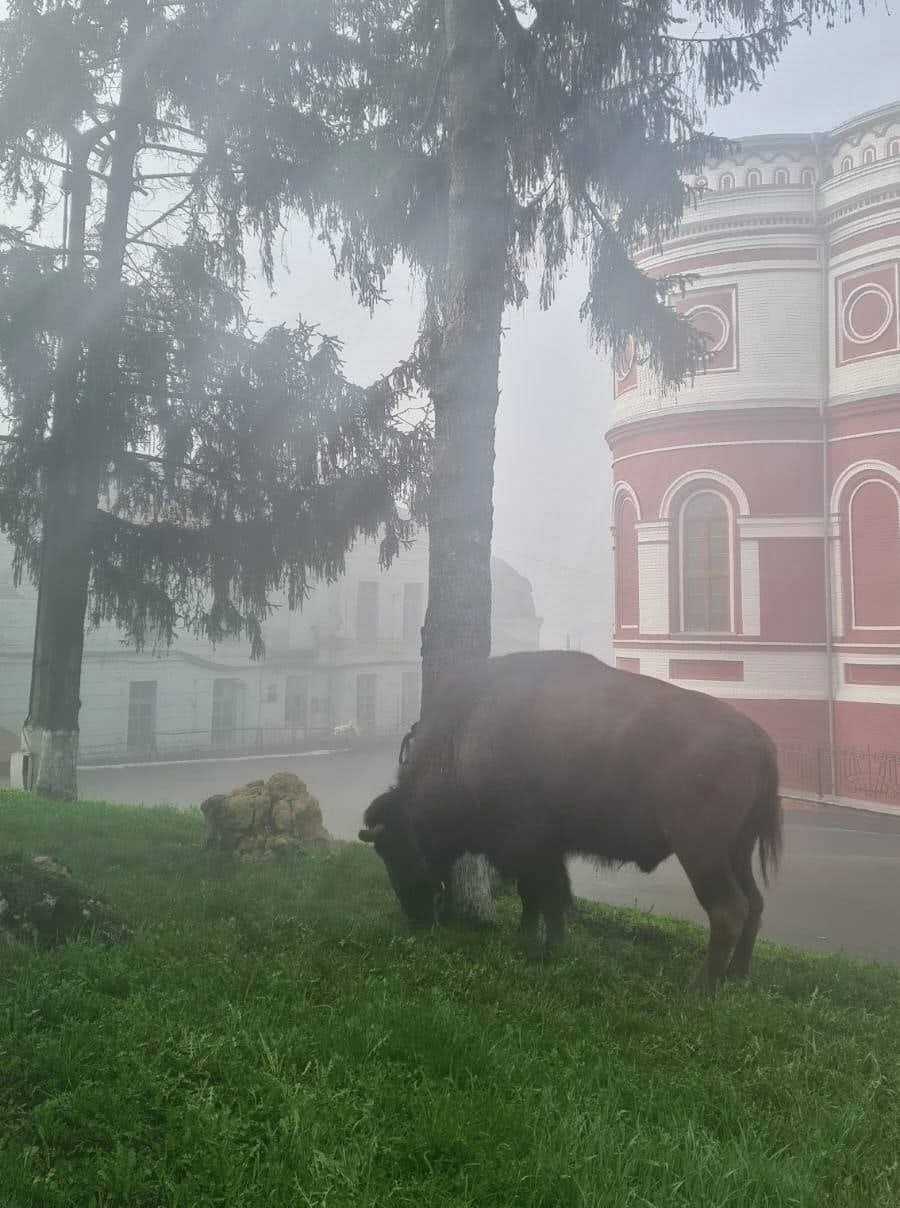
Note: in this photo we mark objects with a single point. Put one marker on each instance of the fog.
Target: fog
(553, 476)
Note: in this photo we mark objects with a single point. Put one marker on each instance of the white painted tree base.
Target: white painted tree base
(470, 890)
(58, 760)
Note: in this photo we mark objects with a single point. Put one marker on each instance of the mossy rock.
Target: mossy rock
(265, 819)
(42, 904)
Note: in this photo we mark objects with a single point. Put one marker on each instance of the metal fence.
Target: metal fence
(240, 741)
(851, 772)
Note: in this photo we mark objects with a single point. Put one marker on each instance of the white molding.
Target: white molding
(862, 435)
(860, 467)
(711, 444)
(776, 675)
(624, 488)
(703, 476)
(837, 578)
(869, 694)
(750, 590)
(653, 587)
(653, 532)
(764, 527)
(717, 642)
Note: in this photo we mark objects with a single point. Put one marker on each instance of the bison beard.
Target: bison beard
(531, 758)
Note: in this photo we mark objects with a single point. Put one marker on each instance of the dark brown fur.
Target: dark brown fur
(531, 758)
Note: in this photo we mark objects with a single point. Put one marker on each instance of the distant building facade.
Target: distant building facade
(350, 656)
(756, 513)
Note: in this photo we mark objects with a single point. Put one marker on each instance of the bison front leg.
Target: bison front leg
(531, 920)
(546, 892)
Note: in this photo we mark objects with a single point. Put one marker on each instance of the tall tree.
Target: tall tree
(508, 132)
(167, 132)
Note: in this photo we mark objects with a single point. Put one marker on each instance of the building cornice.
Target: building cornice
(785, 409)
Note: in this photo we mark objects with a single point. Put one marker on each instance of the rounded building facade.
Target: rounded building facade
(756, 511)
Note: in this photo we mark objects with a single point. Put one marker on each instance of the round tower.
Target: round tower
(756, 511)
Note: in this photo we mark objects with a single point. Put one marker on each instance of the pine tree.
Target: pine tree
(513, 132)
(163, 467)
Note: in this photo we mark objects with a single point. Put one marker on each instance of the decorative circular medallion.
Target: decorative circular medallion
(867, 313)
(712, 322)
(625, 359)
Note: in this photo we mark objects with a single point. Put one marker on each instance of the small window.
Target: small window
(367, 611)
(141, 717)
(847, 164)
(706, 564)
(227, 712)
(296, 695)
(726, 182)
(808, 177)
(869, 155)
(782, 176)
(702, 184)
(754, 179)
(894, 147)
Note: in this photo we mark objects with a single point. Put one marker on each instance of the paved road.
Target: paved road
(838, 890)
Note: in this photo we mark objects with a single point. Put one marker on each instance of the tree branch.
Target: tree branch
(173, 149)
(41, 158)
(173, 209)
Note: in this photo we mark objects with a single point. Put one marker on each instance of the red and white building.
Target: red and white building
(756, 511)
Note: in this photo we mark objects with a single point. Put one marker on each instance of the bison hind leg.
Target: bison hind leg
(742, 866)
(726, 904)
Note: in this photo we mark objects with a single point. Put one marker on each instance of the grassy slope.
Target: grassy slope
(276, 1036)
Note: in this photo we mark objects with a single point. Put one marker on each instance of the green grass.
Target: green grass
(277, 1036)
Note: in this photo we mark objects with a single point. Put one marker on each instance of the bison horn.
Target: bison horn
(370, 834)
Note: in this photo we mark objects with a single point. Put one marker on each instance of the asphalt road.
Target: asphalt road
(838, 889)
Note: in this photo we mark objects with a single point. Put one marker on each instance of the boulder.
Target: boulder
(41, 903)
(264, 819)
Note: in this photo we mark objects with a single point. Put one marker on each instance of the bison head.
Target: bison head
(388, 827)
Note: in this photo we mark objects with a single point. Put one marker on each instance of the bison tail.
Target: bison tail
(769, 822)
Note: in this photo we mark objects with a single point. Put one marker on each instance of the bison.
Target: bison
(530, 758)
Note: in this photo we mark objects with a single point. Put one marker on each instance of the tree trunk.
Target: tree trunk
(466, 390)
(77, 448)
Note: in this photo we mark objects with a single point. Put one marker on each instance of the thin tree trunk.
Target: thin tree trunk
(77, 453)
(466, 391)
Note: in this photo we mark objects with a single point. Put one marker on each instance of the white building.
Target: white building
(350, 655)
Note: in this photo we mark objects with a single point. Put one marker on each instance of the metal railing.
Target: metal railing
(855, 773)
(251, 740)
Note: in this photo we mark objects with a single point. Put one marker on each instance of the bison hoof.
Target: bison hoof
(702, 985)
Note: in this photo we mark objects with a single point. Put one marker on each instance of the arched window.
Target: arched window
(702, 184)
(706, 573)
(782, 176)
(847, 163)
(807, 177)
(627, 603)
(869, 155)
(894, 147)
(874, 533)
(726, 182)
(754, 179)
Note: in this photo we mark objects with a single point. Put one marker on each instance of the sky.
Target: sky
(552, 485)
